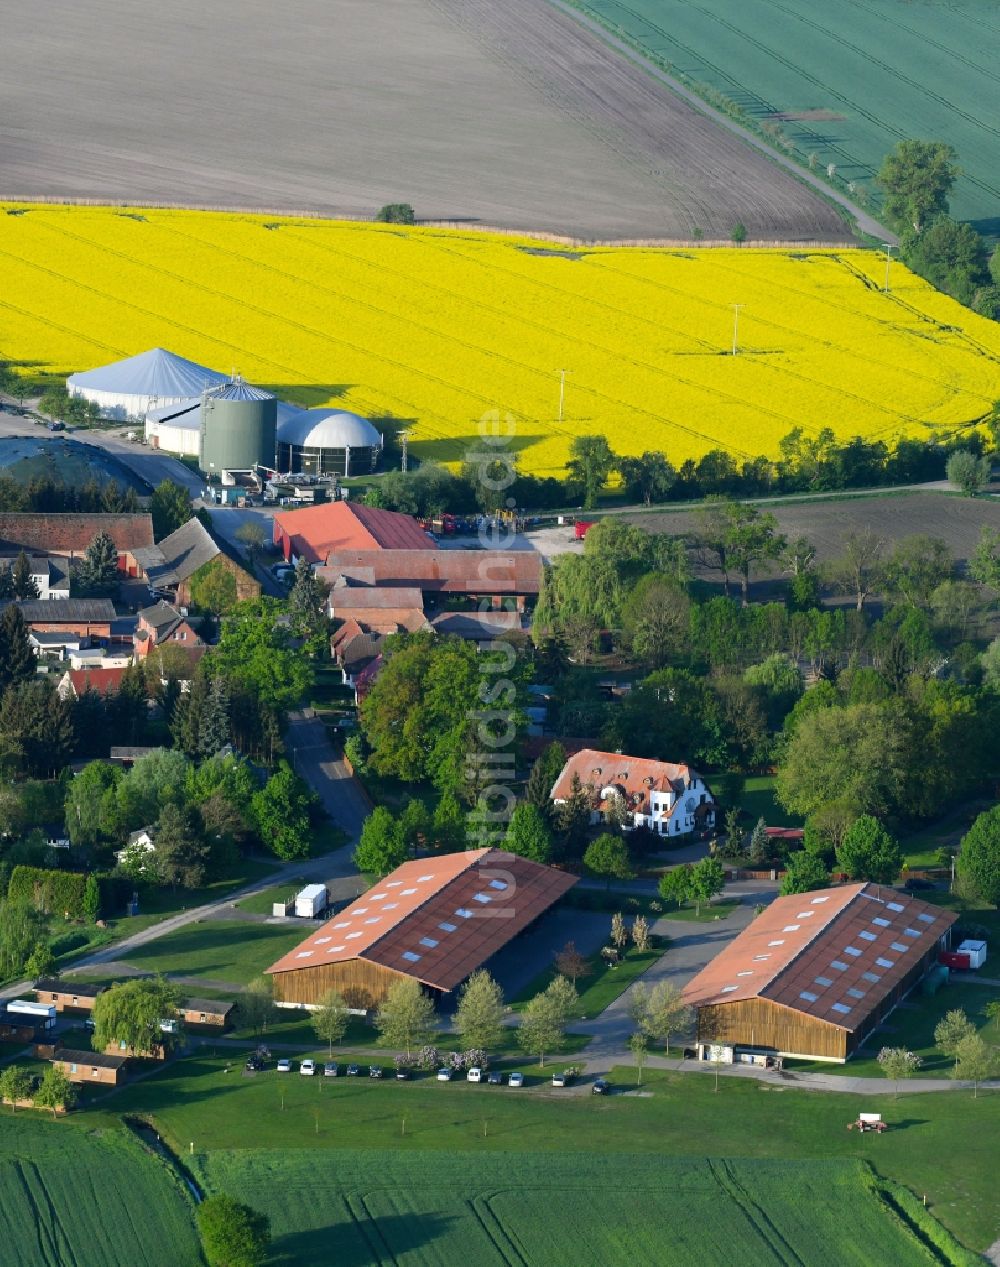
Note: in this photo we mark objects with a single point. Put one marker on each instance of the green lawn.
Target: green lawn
(89, 1198)
(757, 800)
(261, 903)
(943, 1145)
(604, 983)
(389, 1207)
(709, 912)
(912, 1026)
(633, 902)
(219, 949)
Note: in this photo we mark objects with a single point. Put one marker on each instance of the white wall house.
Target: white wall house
(669, 798)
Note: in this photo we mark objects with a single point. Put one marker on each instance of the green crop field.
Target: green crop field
(577, 1210)
(845, 81)
(76, 1198)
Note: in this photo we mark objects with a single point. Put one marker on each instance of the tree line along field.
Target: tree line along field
(565, 1210)
(844, 82)
(437, 329)
(70, 1197)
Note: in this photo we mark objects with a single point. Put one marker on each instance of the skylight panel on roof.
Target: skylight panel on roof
(360, 910)
(374, 919)
(882, 923)
(805, 914)
(856, 994)
(390, 906)
(911, 932)
(429, 942)
(760, 958)
(304, 954)
(900, 946)
(498, 884)
(745, 973)
(816, 900)
(841, 1007)
(894, 906)
(823, 981)
(871, 976)
(464, 912)
(321, 941)
(886, 963)
(410, 957)
(408, 893)
(839, 965)
(422, 879)
(808, 996)
(393, 884)
(447, 928)
(728, 989)
(344, 923)
(852, 950)
(779, 942)
(865, 935)
(480, 897)
(791, 928)
(375, 897)
(334, 949)
(926, 917)
(351, 936)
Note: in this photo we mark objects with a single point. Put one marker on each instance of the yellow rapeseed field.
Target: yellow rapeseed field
(435, 328)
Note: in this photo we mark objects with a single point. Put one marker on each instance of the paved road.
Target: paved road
(314, 760)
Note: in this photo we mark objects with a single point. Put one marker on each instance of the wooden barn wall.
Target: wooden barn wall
(362, 984)
(761, 1023)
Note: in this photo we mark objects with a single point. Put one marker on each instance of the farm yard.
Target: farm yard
(519, 118)
(842, 82)
(90, 1198)
(435, 329)
(613, 1211)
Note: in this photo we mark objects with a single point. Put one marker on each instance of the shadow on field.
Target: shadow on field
(908, 1121)
(384, 1241)
(309, 395)
(453, 449)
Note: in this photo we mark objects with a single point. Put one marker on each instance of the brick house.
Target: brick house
(91, 1066)
(160, 624)
(175, 562)
(68, 535)
(87, 617)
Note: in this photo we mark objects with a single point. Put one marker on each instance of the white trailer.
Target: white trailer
(42, 1015)
(976, 950)
(311, 901)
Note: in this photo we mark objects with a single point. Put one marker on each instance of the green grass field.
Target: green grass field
(218, 950)
(942, 1145)
(573, 1210)
(602, 985)
(757, 800)
(843, 82)
(72, 1197)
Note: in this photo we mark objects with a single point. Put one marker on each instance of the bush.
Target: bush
(53, 892)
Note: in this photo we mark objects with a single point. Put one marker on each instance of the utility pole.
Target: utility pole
(404, 437)
(736, 326)
(562, 390)
(888, 256)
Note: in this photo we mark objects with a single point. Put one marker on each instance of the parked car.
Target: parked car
(330, 1070)
(254, 1064)
(474, 1075)
(600, 1087)
(308, 1067)
(402, 1074)
(374, 1071)
(353, 1071)
(89, 1024)
(494, 1078)
(284, 1065)
(57, 426)
(562, 1079)
(915, 882)
(516, 1080)
(444, 1075)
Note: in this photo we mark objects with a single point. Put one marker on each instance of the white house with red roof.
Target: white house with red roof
(668, 798)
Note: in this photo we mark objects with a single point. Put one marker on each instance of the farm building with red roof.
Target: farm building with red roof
(435, 919)
(315, 532)
(814, 973)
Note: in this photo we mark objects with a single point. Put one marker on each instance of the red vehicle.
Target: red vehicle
(581, 527)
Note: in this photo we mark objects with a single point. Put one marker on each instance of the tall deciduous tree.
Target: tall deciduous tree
(528, 835)
(707, 879)
(868, 852)
(950, 1030)
(170, 507)
(676, 885)
(15, 1084)
(608, 856)
(859, 568)
(968, 472)
(979, 856)
(804, 871)
(660, 1012)
(233, 1234)
(128, 1015)
(974, 1061)
(256, 1005)
(406, 1017)
(280, 811)
(897, 1064)
(544, 1019)
(480, 1013)
(381, 848)
(648, 478)
(917, 177)
(330, 1019)
(591, 462)
(56, 1091)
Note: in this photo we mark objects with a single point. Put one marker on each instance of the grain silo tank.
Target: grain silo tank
(238, 428)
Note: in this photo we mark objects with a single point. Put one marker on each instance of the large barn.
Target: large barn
(815, 973)
(435, 919)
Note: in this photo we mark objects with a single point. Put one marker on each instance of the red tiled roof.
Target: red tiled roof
(356, 598)
(315, 531)
(103, 681)
(441, 571)
(833, 954)
(635, 777)
(71, 534)
(436, 919)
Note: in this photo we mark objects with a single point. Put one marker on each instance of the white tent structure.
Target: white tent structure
(129, 389)
(325, 442)
(177, 428)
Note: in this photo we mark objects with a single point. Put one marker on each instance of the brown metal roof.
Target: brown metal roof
(444, 571)
(96, 1059)
(834, 954)
(436, 919)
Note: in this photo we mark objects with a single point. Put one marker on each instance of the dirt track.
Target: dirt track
(507, 112)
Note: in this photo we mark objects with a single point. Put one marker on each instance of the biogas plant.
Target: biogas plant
(229, 426)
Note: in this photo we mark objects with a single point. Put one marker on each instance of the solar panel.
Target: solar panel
(498, 884)
(910, 932)
(447, 928)
(465, 914)
(480, 897)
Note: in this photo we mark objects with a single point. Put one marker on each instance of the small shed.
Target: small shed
(91, 1066)
(213, 1012)
(75, 996)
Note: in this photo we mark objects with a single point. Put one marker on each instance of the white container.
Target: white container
(43, 1014)
(976, 950)
(311, 901)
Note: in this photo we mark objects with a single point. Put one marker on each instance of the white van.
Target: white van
(474, 1075)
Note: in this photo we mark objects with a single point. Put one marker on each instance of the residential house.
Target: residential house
(89, 618)
(109, 1069)
(51, 580)
(77, 996)
(161, 624)
(68, 535)
(209, 1012)
(76, 682)
(315, 532)
(668, 798)
(385, 611)
(140, 844)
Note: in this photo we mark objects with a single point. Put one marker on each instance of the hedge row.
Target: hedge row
(54, 892)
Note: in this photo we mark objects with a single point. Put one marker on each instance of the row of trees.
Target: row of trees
(956, 1037)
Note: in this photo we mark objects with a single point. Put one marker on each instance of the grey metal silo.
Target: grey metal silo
(238, 428)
